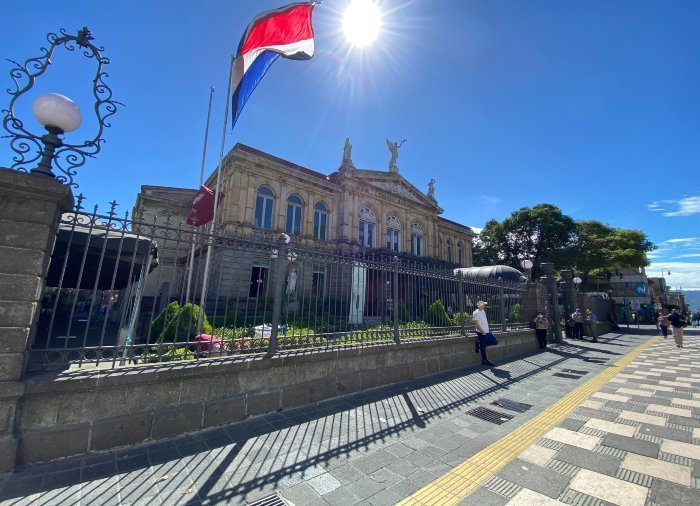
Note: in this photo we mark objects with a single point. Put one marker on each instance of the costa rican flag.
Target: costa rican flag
(286, 32)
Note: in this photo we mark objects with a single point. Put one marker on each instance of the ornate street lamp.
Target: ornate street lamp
(58, 114)
(527, 265)
(577, 281)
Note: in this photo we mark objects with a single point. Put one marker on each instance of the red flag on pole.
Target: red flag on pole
(203, 207)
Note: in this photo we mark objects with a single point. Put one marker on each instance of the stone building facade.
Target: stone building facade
(347, 211)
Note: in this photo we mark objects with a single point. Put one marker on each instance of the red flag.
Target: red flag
(203, 207)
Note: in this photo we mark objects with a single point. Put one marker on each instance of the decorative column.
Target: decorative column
(550, 284)
(569, 291)
(30, 209)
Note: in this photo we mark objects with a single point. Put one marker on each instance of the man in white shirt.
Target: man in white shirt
(482, 331)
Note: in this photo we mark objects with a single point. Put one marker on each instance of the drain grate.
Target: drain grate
(490, 415)
(574, 371)
(270, 500)
(520, 407)
(568, 376)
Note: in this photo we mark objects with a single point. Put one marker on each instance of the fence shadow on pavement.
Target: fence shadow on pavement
(250, 459)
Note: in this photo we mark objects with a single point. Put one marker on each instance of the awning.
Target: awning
(116, 255)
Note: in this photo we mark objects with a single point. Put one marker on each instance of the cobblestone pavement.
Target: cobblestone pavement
(616, 422)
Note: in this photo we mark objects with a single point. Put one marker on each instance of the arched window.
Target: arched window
(460, 256)
(320, 221)
(293, 215)
(416, 240)
(368, 222)
(264, 206)
(393, 234)
(449, 251)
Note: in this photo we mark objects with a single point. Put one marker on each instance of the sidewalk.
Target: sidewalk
(614, 422)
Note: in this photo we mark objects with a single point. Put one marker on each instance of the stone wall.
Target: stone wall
(78, 412)
(30, 207)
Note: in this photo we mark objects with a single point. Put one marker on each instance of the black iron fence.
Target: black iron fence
(124, 290)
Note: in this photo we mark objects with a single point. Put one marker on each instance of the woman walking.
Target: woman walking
(541, 326)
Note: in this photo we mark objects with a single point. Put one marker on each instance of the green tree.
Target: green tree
(599, 248)
(541, 233)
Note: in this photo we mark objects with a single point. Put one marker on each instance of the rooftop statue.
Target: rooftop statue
(394, 149)
(347, 151)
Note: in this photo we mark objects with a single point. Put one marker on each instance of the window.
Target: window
(293, 215)
(366, 228)
(264, 205)
(449, 251)
(318, 285)
(460, 257)
(416, 240)
(393, 234)
(258, 281)
(320, 221)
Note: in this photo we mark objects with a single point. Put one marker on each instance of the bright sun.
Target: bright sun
(361, 22)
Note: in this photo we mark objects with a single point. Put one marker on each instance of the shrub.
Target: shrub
(516, 314)
(456, 319)
(233, 318)
(177, 323)
(436, 315)
(404, 315)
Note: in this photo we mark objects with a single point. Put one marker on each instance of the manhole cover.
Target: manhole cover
(569, 376)
(490, 415)
(270, 500)
(520, 407)
(574, 371)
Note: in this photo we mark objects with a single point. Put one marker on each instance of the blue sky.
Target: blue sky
(591, 106)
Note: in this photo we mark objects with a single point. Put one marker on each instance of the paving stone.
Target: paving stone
(657, 469)
(383, 498)
(572, 424)
(364, 488)
(534, 477)
(324, 483)
(588, 460)
(630, 444)
(665, 433)
(664, 493)
(300, 494)
(596, 413)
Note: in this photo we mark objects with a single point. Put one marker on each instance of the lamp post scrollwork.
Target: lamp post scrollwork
(57, 113)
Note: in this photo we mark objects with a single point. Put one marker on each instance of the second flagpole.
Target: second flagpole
(201, 181)
(217, 192)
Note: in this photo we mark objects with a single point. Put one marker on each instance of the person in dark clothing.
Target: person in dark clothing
(677, 321)
(577, 317)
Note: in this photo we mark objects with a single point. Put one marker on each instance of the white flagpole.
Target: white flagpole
(212, 227)
(201, 180)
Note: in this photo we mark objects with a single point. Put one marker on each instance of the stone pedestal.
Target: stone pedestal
(30, 208)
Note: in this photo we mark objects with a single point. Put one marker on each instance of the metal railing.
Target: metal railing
(125, 291)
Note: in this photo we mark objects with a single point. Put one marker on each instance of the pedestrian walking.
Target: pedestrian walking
(592, 321)
(635, 318)
(541, 326)
(678, 321)
(485, 337)
(663, 325)
(577, 318)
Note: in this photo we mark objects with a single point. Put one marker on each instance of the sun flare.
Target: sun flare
(362, 22)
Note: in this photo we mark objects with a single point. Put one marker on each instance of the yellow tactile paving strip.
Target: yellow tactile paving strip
(462, 480)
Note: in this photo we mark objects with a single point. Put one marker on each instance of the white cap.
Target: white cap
(481, 303)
